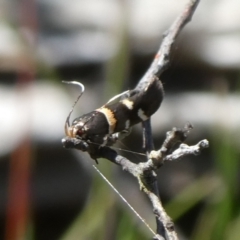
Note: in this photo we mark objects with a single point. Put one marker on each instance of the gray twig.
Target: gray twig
(184, 150)
(162, 57)
(165, 227)
(146, 175)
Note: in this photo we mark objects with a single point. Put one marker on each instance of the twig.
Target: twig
(172, 137)
(161, 60)
(159, 64)
(145, 173)
(184, 150)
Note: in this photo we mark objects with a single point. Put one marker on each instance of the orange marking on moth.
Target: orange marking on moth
(110, 118)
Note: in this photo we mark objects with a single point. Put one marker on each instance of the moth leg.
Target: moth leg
(81, 145)
(75, 143)
(113, 138)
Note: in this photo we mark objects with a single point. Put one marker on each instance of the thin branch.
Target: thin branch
(159, 64)
(161, 60)
(174, 136)
(185, 150)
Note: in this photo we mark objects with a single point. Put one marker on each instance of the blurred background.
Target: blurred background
(47, 192)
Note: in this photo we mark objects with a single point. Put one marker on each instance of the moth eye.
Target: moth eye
(80, 132)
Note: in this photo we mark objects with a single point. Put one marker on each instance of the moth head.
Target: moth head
(77, 128)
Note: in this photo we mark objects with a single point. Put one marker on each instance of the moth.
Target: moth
(105, 125)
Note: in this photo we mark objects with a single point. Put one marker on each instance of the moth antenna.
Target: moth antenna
(124, 200)
(67, 123)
